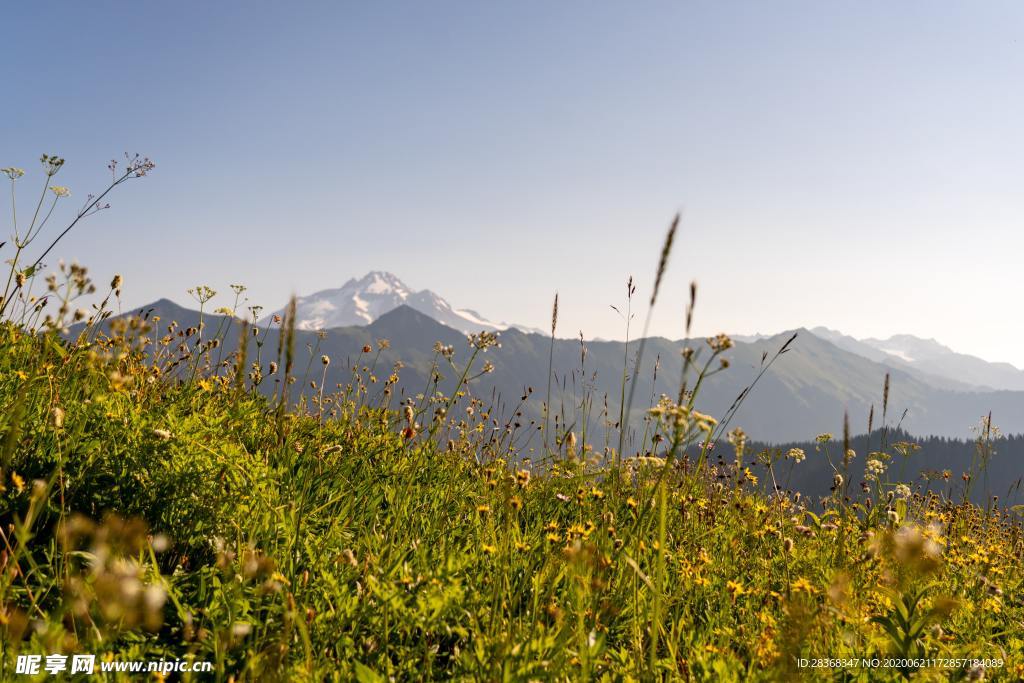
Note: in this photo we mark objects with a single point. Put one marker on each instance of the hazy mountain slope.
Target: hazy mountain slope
(930, 361)
(983, 373)
(804, 393)
(853, 345)
(933, 377)
(909, 348)
(930, 356)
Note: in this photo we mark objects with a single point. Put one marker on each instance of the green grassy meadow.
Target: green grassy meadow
(158, 501)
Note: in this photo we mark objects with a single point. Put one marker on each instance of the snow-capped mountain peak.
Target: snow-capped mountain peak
(361, 301)
(380, 282)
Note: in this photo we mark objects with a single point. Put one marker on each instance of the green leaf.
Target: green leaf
(57, 347)
(365, 674)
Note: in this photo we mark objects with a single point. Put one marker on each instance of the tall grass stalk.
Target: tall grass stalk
(666, 249)
(551, 370)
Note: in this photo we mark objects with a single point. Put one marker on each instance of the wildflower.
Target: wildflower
(326, 360)
(631, 503)
(12, 173)
(57, 417)
(750, 476)
(873, 469)
(796, 454)
(902, 491)
(484, 340)
(483, 509)
(642, 460)
(516, 503)
(906, 448)
(596, 493)
(523, 478)
(992, 605)
(162, 434)
(720, 343)
(705, 423)
(837, 481)
(488, 549)
(280, 578)
(60, 191)
(766, 649)
(51, 164)
(202, 294)
(735, 589)
(802, 585)
(670, 413)
(823, 438)
(738, 438)
(18, 481)
(579, 531)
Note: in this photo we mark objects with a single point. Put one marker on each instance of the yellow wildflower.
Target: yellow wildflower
(735, 589)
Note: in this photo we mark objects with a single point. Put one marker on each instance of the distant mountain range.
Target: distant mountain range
(360, 302)
(930, 361)
(805, 392)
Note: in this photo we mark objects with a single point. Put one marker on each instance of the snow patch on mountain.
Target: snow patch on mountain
(360, 302)
(899, 353)
(930, 361)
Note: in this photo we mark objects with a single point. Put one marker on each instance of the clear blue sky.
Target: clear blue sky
(855, 165)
